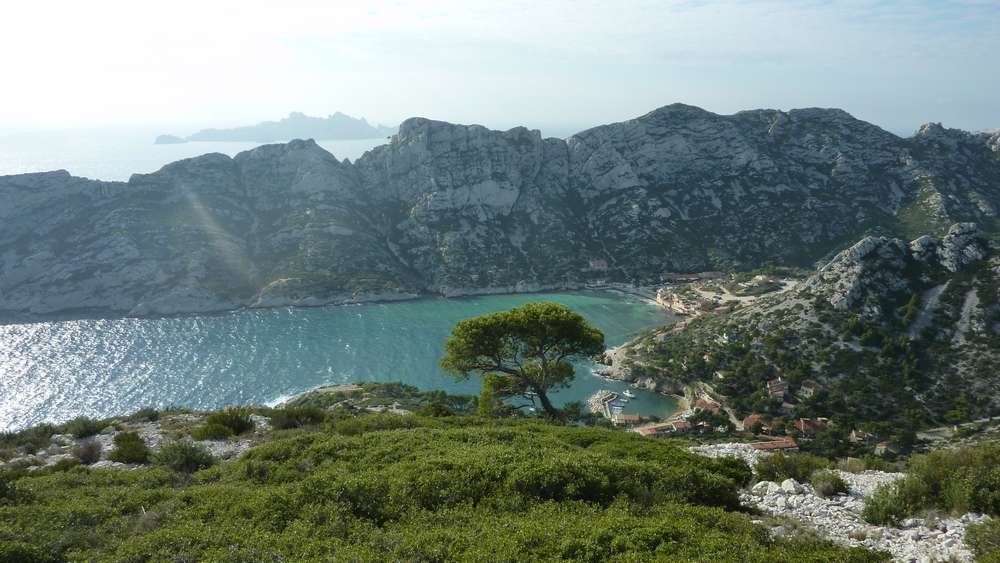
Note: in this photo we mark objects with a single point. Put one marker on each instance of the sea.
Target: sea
(116, 154)
(54, 371)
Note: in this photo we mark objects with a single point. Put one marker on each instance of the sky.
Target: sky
(561, 66)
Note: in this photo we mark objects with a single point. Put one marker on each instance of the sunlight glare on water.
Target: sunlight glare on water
(57, 370)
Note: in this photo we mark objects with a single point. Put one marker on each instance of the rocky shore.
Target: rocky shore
(838, 518)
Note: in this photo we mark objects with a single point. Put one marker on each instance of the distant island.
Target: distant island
(297, 125)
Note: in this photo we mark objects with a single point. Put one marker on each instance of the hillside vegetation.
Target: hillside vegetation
(377, 487)
(896, 336)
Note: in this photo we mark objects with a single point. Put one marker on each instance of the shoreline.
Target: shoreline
(90, 314)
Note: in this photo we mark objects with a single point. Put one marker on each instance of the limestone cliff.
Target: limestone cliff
(452, 209)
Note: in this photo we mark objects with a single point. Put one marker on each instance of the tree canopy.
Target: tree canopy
(528, 349)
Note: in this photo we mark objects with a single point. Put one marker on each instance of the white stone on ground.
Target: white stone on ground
(839, 518)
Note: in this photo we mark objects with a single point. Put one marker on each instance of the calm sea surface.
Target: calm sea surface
(55, 371)
(117, 154)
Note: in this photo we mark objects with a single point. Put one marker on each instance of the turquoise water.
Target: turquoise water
(55, 371)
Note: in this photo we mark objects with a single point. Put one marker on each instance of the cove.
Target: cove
(57, 370)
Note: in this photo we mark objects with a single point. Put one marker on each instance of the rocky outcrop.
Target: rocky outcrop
(457, 209)
(838, 518)
(865, 274)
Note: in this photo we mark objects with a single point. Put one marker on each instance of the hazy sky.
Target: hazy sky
(561, 66)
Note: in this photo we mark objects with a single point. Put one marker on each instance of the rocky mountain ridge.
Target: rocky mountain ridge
(456, 209)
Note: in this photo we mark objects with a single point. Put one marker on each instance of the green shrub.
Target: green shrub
(952, 481)
(88, 452)
(129, 448)
(885, 506)
(781, 466)
(851, 465)
(183, 456)
(433, 489)
(983, 539)
(734, 468)
(30, 439)
(83, 427)
(296, 417)
(6, 486)
(19, 552)
(212, 431)
(65, 464)
(236, 419)
(826, 483)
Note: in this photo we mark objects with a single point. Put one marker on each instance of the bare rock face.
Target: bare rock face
(962, 246)
(862, 276)
(457, 209)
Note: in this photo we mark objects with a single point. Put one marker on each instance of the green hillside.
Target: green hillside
(381, 487)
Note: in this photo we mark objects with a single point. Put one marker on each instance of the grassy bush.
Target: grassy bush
(211, 431)
(88, 452)
(851, 465)
(826, 483)
(951, 481)
(66, 464)
(236, 419)
(417, 489)
(83, 427)
(983, 539)
(885, 506)
(129, 448)
(183, 456)
(781, 466)
(296, 417)
(30, 440)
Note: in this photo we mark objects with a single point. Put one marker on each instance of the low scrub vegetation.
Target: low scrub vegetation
(380, 487)
(950, 481)
(184, 456)
(87, 452)
(296, 417)
(827, 483)
(781, 466)
(983, 540)
(129, 448)
(211, 431)
(222, 424)
(83, 427)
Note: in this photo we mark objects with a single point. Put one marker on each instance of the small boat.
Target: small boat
(628, 394)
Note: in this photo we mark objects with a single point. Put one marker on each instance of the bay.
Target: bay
(54, 371)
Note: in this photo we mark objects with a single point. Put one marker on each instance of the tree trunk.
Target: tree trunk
(546, 404)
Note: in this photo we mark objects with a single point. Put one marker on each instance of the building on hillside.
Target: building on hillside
(599, 265)
(781, 444)
(750, 420)
(627, 420)
(860, 436)
(681, 426)
(883, 448)
(706, 404)
(654, 429)
(809, 427)
(777, 388)
(808, 389)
